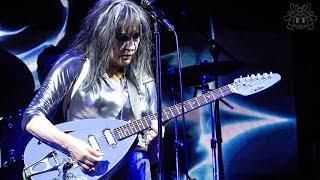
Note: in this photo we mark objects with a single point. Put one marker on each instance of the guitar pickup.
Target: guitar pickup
(94, 143)
(109, 137)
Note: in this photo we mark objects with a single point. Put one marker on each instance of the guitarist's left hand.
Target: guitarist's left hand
(153, 132)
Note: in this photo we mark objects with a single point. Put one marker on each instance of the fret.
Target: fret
(214, 98)
(119, 132)
(138, 124)
(201, 101)
(166, 114)
(195, 103)
(149, 117)
(129, 128)
(230, 89)
(132, 131)
(124, 131)
(204, 97)
(221, 92)
(142, 125)
(134, 127)
(198, 102)
(208, 96)
(177, 109)
(184, 107)
(190, 104)
(171, 112)
(155, 116)
(145, 122)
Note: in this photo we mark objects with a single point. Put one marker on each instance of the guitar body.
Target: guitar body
(114, 155)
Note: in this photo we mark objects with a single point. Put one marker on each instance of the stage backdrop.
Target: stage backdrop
(240, 137)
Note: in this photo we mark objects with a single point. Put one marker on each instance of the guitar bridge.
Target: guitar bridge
(52, 154)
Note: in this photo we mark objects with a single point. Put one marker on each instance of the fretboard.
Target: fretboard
(171, 112)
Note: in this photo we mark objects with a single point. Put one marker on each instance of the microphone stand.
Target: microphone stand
(159, 92)
(159, 16)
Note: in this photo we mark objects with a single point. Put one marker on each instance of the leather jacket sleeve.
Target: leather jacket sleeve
(52, 91)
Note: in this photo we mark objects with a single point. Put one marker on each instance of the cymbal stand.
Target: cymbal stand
(216, 124)
(177, 143)
(217, 163)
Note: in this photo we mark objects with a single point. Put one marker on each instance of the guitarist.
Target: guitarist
(104, 73)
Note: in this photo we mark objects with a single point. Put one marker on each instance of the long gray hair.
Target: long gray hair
(98, 34)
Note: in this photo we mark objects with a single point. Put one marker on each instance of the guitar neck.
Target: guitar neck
(172, 112)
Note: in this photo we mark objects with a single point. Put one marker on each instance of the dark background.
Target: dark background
(250, 16)
(267, 16)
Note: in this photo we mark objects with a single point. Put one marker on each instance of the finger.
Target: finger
(87, 162)
(95, 152)
(149, 139)
(92, 169)
(83, 166)
(94, 156)
(154, 126)
(152, 133)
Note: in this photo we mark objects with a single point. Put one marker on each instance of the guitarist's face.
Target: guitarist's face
(125, 47)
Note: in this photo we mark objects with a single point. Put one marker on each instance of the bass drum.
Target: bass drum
(13, 144)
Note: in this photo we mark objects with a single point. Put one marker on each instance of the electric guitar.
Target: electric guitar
(116, 138)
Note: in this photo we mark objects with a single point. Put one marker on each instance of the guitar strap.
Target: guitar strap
(134, 100)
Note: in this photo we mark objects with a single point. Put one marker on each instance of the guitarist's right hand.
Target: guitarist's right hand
(83, 153)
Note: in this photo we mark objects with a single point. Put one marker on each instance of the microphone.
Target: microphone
(151, 5)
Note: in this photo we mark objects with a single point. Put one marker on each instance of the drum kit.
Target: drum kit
(17, 90)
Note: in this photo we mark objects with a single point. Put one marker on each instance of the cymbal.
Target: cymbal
(201, 74)
(214, 68)
(188, 79)
(17, 84)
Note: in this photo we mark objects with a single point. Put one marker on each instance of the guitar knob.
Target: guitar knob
(259, 76)
(247, 78)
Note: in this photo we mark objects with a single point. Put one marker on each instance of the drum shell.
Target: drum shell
(13, 139)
